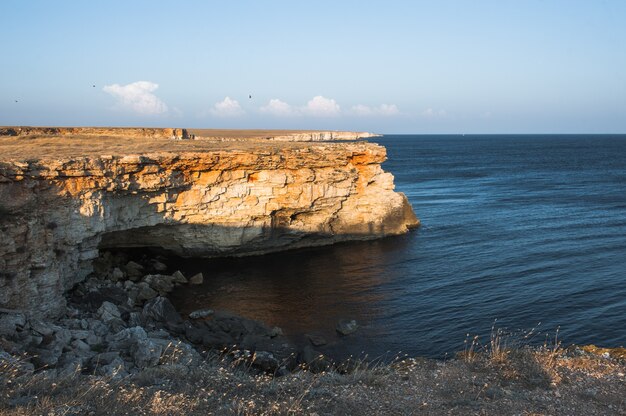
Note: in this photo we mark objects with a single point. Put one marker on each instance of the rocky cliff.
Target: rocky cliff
(155, 133)
(183, 134)
(279, 135)
(60, 205)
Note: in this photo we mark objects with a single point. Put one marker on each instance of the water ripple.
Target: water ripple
(523, 229)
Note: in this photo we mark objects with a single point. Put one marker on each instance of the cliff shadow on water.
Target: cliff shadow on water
(305, 292)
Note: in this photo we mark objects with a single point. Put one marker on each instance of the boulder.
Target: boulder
(98, 327)
(117, 274)
(162, 283)
(81, 333)
(80, 345)
(134, 319)
(70, 364)
(201, 313)
(146, 353)
(93, 299)
(134, 342)
(116, 325)
(46, 357)
(159, 333)
(177, 353)
(280, 348)
(276, 332)
(196, 279)
(33, 339)
(108, 312)
(158, 266)
(346, 327)
(238, 326)
(124, 339)
(178, 277)
(41, 327)
(11, 322)
(103, 358)
(209, 336)
(161, 311)
(145, 292)
(115, 370)
(133, 295)
(93, 339)
(62, 336)
(265, 361)
(74, 323)
(134, 271)
(315, 361)
(316, 339)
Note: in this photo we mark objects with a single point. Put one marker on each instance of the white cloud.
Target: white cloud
(276, 107)
(382, 110)
(430, 113)
(388, 110)
(320, 106)
(137, 97)
(227, 108)
(362, 110)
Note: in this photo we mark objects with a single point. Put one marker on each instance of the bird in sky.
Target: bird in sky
(250, 96)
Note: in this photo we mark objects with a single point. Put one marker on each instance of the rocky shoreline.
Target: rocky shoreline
(119, 321)
(121, 347)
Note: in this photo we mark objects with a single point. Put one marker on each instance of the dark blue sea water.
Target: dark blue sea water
(519, 229)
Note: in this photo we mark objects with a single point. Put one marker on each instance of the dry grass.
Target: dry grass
(528, 381)
(246, 134)
(56, 147)
(504, 376)
(76, 145)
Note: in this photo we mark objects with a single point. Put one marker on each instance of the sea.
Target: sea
(521, 235)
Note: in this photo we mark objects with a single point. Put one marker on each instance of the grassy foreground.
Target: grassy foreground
(577, 381)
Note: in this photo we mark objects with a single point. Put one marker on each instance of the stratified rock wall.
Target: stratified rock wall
(56, 214)
(127, 132)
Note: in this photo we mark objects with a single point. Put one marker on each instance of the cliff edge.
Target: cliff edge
(65, 196)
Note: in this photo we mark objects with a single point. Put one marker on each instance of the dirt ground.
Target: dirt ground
(54, 147)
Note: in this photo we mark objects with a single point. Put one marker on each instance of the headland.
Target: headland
(87, 328)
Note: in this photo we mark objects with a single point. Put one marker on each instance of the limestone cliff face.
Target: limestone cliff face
(97, 131)
(56, 213)
(283, 136)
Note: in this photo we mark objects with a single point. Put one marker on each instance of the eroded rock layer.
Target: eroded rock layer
(163, 133)
(56, 213)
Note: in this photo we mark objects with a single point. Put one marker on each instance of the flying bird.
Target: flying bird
(93, 86)
(250, 96)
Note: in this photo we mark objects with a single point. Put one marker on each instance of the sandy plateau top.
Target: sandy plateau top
(26, 143)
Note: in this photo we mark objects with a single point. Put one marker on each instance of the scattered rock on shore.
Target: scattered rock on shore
(347, 327)
(196, 279)
(120, 322)
(201, 313)
(316, 339)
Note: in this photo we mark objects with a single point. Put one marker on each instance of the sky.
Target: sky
(474, 66)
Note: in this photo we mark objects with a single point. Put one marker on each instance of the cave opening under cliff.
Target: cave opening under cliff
(150, 239)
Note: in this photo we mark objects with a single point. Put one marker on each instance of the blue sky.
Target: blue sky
(384, 66)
